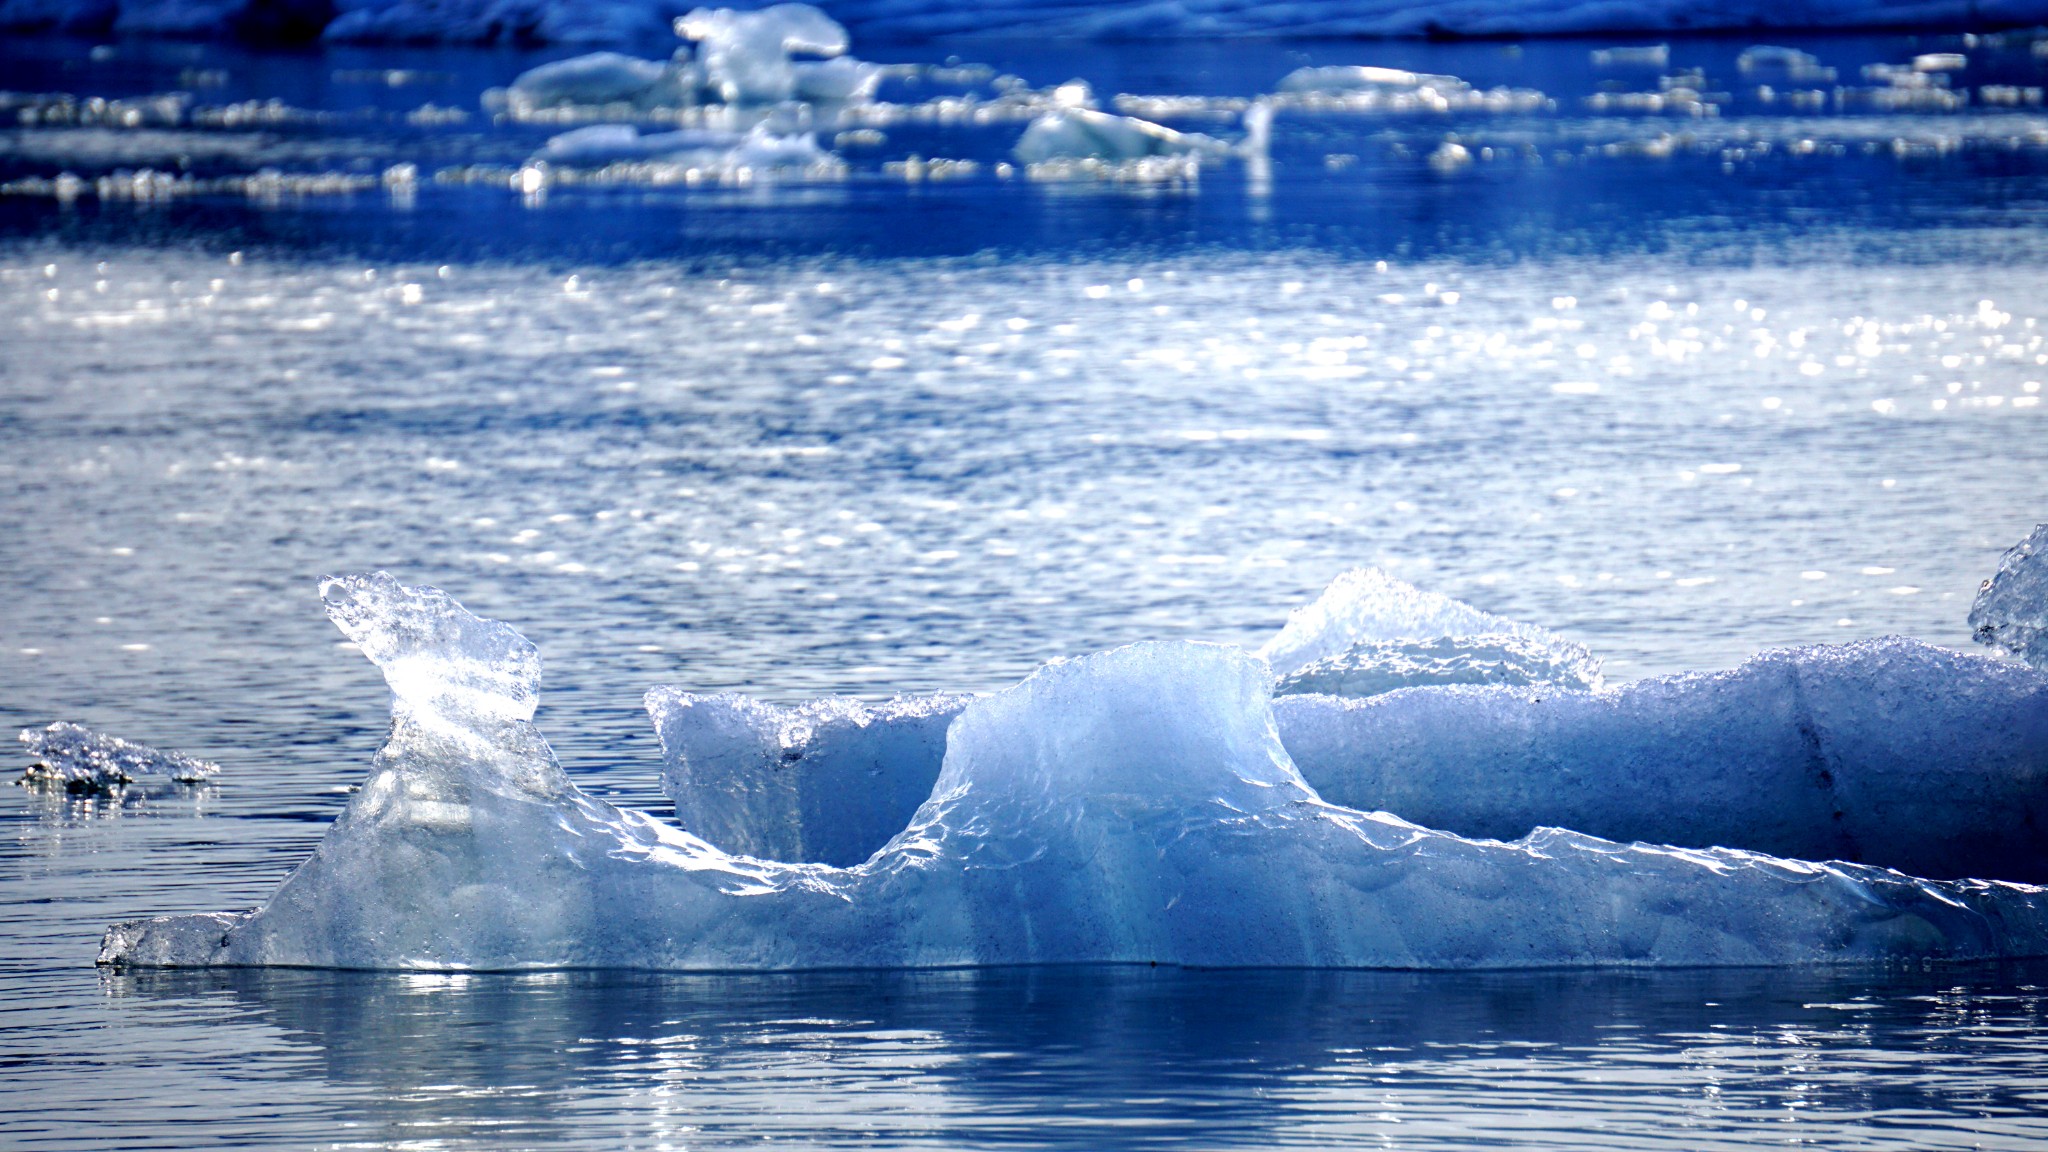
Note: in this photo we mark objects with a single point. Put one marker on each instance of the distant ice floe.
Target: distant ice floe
(1146, 805)
(77, 759)
(2011, 611)
(619, 21)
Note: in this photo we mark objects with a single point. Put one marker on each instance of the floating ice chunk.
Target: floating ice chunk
(1940, 62)
(1371, 667)
(841, 80)
(1367, 605)
(618, 154)
(1365, 78)
(746, 55)
(602, 78)
(1634, 56)
(1772, 62)
(606, 143)
(1888, 752)
(1130, 806)
(830, 781)
(2011, 610)
(77, 759)
(1075, 133)
(1450, 156)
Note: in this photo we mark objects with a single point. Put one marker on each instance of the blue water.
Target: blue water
(1635, 378)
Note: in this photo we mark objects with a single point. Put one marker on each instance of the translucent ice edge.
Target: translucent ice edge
(1131, 806)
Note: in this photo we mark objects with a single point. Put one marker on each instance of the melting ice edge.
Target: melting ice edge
(1154, 803)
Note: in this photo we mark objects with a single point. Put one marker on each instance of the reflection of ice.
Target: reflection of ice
(1131, 806)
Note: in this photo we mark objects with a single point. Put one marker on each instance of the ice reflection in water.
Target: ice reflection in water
(1099, 1057)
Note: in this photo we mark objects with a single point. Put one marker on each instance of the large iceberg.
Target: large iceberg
(581, 21)
(1132, 806)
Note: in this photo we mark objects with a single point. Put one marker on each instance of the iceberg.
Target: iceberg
(77, 759)
(2011, 610)
(1133, 806)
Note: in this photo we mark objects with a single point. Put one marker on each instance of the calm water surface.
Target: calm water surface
(1678, 396)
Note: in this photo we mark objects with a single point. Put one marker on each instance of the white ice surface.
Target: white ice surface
(1132, 806)
(1087, 134)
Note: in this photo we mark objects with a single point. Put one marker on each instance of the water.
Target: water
(1677, 396)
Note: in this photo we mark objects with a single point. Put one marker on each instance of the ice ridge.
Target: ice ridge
(1132, 806)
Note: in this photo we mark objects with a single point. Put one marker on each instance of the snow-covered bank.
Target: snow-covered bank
(619, 21)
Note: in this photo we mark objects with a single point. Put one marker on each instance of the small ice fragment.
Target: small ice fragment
(746, 55)
(1365, 78)
(1450, 156)
(1085, 134)
(2011, 610)
(77, 759)
(1940, 62)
